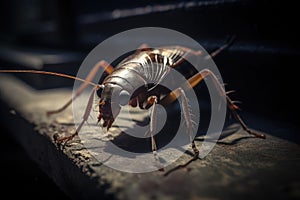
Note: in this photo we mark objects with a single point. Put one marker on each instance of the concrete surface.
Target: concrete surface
(239, 166)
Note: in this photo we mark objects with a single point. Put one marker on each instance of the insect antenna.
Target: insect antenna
(50, 73)
(78, 92)
(227, 44)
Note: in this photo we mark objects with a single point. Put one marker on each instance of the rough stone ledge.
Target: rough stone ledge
(238, 167)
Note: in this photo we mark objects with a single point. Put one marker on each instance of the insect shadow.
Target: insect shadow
(224, 138)
(142, 144)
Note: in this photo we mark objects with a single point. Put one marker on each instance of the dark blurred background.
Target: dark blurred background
(57, 35)
(261, 64)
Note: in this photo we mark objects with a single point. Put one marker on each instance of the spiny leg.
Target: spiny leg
(171, 97)
(84, 119)
(232, 107)
(152, 100)
(196, 79)
(189, 123)
(101, 64)
(188, 119)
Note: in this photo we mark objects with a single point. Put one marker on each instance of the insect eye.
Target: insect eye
(124, 97)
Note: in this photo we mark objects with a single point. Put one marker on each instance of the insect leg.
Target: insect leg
(196, 79)
(84, 118)
(101, 64)
(189, 122)
(153, 115)
(188, 119)
(171, 97)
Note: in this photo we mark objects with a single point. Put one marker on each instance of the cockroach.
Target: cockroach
(146, 65)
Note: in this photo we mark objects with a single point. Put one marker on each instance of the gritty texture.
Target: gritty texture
(239, 166)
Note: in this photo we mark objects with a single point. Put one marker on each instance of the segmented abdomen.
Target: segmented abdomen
(154, 64)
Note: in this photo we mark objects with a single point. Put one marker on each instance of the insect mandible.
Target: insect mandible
(144, 66)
